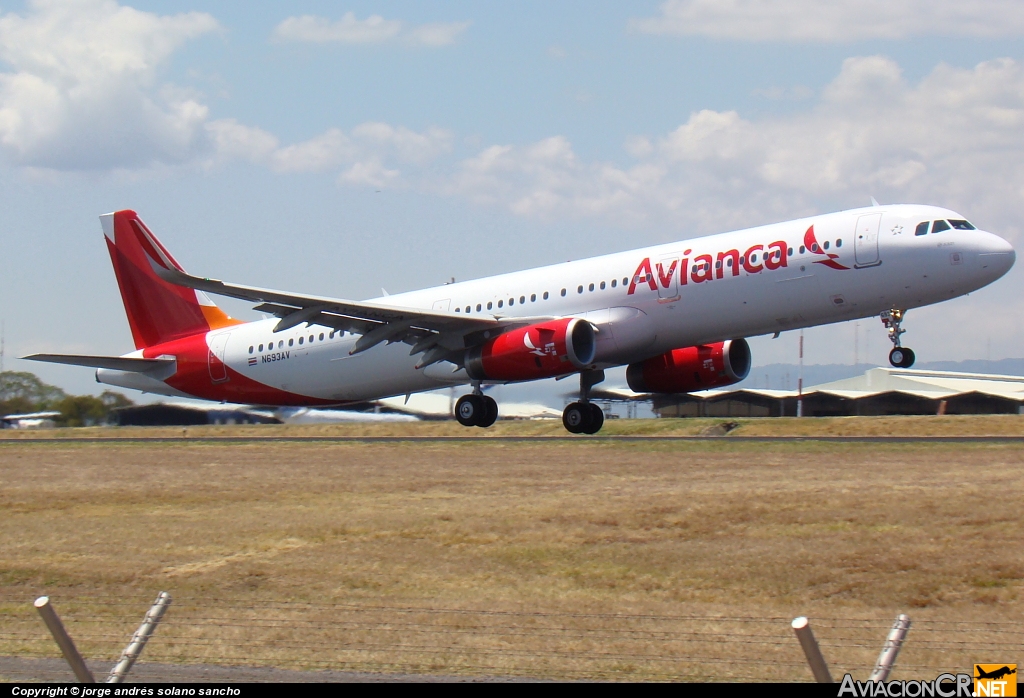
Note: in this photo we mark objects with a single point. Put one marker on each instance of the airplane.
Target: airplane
(676, 315)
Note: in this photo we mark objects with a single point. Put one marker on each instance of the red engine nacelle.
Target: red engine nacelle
(692, 368)
(544, 350)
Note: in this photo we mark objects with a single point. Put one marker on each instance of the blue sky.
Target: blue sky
(340, 148)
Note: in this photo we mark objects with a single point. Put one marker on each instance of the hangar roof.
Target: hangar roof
(934, 385)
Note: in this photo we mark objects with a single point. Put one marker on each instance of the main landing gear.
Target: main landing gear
(900, 356)
(476, 409)
(584, 417)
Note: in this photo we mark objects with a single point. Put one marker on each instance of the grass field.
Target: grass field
(954, 425)
(713, 529)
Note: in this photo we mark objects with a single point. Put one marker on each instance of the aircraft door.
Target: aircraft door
(865, 241)
(218, 346)
(442, 305)
(666, 275)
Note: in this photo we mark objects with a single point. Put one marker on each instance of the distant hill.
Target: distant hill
(784, 376)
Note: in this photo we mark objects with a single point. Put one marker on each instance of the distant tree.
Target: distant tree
(23, 392)
(113, 401)
(81, 411)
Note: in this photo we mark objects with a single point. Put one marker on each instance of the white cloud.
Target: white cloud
(837, 21)
(372, 30)
(235, 141)
(370, 153)
(81, 91)
(437, 34)
(956, 138)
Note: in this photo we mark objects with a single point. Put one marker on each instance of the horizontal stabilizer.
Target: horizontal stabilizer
(115, 363)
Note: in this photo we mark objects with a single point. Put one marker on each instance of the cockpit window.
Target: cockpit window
(922, 228)
(939, 226)
(961, 225)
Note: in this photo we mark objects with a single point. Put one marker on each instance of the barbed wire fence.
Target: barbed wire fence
(424, 640)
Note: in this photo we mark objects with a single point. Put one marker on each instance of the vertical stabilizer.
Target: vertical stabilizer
(157, 311)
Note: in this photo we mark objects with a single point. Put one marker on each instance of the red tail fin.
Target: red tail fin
(157, 311)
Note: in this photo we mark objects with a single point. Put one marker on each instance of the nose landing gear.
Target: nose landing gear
(476, 409)
(900, 356)
(584, 417)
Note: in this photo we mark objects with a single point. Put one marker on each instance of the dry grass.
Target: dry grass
(952, 425)
(718, 529)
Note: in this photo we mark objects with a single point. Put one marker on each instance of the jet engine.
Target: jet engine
(544, 350)
(691, 369)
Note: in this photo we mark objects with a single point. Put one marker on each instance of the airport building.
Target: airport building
(880, 391)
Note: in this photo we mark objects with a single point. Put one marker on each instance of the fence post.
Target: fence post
(891, 648)
(64, 641)
(139, 639)
(802, 628)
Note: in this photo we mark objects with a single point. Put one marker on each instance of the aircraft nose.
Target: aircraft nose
(995, 255)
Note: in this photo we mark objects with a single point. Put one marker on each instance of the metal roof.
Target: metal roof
(932, 385)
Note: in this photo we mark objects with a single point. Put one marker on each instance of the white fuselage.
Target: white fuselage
(874, 262)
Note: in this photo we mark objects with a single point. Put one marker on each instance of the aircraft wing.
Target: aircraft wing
(438, 335)
(116, 363)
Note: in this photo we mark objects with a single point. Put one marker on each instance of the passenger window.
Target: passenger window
(511, 301)
(291, 342)
(591, 287)
(826, 244)
(961, 225)
(545, 295)
(939, 226)
(251, 349)
(802, 250)
(563, 293)
(579, 289)
(625, 281)
(489, 305)
(839, 242)
(300, 340)
(790, 254)
(501, 303)
(280, 344)
(602, 285)
(468, 309)
(261, 348)
(478, 308)
(615, 282)
(533, 297)
(321, 336)
(458, 310)
(522, 299)
(921, 229)
(310, 339)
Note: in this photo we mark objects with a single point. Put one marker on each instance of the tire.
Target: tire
(489, 414)
(575, 418)
(901, 357)
(897, 357)
(469, 409)
(596, 419)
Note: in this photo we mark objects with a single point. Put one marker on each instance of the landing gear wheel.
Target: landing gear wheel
(576, 417)
(901, 357)
(596, 419)
(469, 409)
(490, 412)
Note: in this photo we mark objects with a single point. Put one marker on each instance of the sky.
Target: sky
(341, 148)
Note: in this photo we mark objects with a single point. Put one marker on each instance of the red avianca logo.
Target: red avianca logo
(811, 243)
(706, 267)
